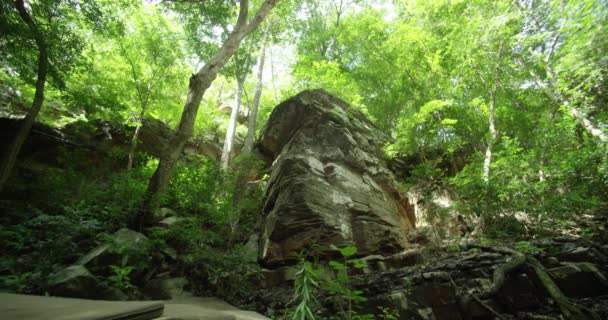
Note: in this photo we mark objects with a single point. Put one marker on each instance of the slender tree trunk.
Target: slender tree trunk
(253, 113)
(274, 85)
(12, 151)
(199, 83)
(232, 124)
(136, 134)
(492, 87)
(588, 125)
(488, 157)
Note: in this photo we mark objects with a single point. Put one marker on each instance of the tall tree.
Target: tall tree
(253, 110)
(242, 64)
(199, 83)
(152, 51)
(10, 155)
(42, 40)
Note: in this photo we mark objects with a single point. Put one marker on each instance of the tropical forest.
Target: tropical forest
(304, 159)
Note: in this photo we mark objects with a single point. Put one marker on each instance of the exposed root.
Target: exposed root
(515, 261)
(485, 305)
(569, 309)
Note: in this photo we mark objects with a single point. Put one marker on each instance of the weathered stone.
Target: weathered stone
(166, 289)
(551, 262)
(583, 254)
(74, 282)
(434, 294)
(329, 184)
(252, 248)
(580, 280)
(278, 277)
(519, 293)
(374, 263)
(404, 259)
(106, 254)
(77, 282)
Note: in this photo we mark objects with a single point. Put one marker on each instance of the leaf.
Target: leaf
(357, 263)
(348, 251)
(337, 265)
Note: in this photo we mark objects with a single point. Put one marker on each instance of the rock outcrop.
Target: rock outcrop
(329, 184)
(440, 284)
(98, 141)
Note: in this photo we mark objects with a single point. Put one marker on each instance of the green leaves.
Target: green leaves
(348, 251)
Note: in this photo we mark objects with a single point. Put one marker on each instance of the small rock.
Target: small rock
(74, 282)
(400, 260)
(426, 313)
(551, 262)
(166, 289)
(375, 263)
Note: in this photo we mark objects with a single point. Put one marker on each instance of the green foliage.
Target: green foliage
(306, 285)
(228, 273)
(35, 244)
(388, 313)
(120, 277)
(525, 247)
(216, 198)
(52, 218)
(216, 213)
(339, 289)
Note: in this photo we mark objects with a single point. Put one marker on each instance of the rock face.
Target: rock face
(438, 284)
(329, 183)
(97, 141)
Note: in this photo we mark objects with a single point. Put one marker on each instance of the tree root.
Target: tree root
(569, 309)
(485, 305)
(516, 260)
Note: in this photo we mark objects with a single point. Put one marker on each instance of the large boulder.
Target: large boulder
(77, 282)
(124, 242)
(329, 184)
(74, 282)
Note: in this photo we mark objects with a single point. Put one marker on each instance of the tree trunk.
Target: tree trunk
(12, 151)
(588, 125)
(232, 124)
(199, 83)
(136, 135)
(488, 157)
(253, 113)
(492, 87)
